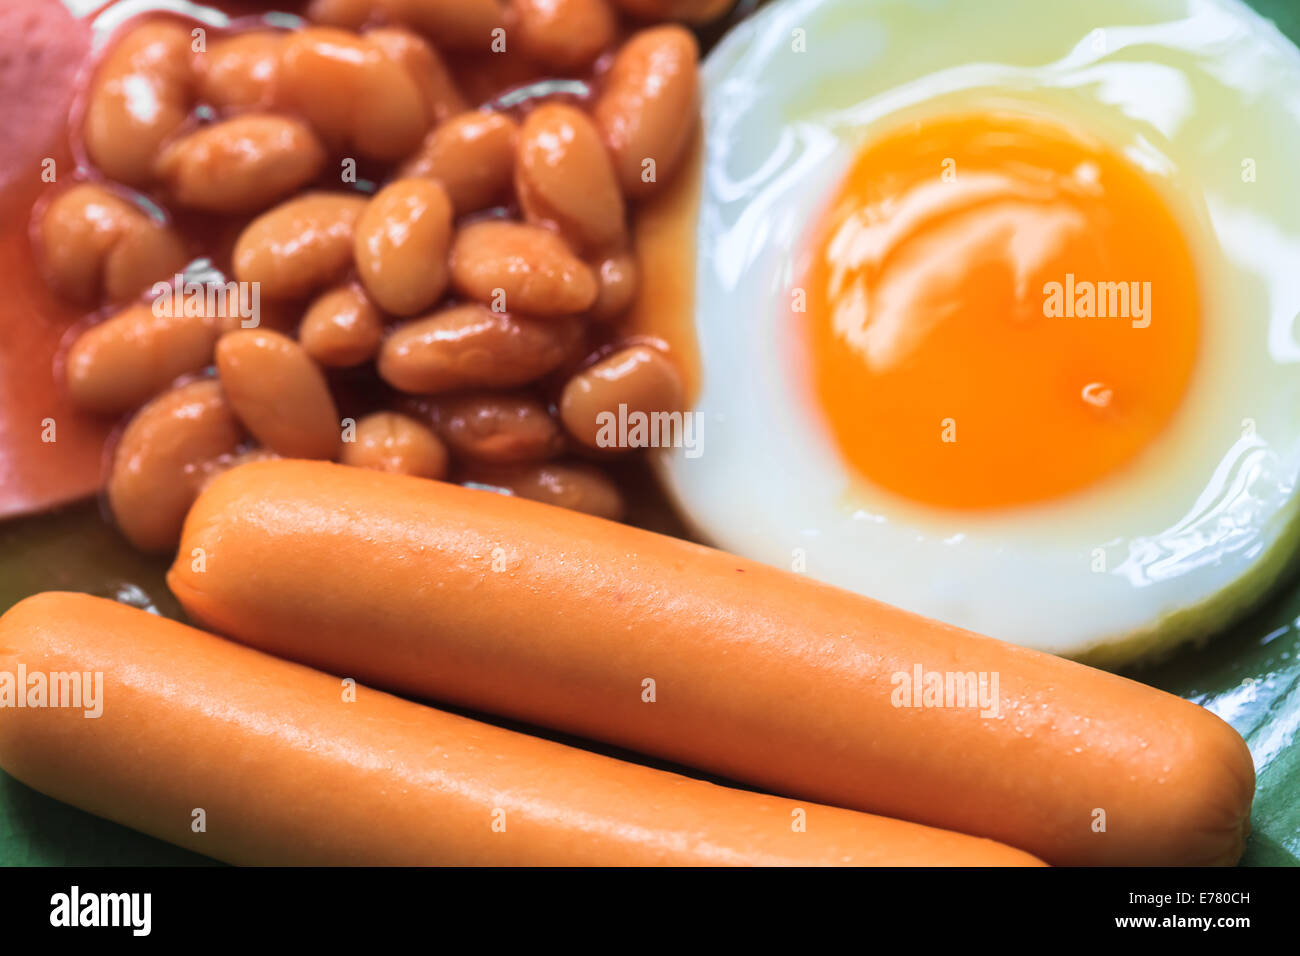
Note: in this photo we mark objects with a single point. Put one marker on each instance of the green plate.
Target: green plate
(1250, 676)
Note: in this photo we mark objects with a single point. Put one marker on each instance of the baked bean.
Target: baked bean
(240, 72)
(389, 441)
(493, 427)
(641, 378)
(401, 244)
(564, 34)
(241, 164)
(691, 11)
(517, 267)
(647, 108)
(619, 280)
(572, 485)
(135, 354)
(472, 155)
(564, 177)
(279, 393)
(93, 241)
(159, 463)
(139, 96)
(470, 346)
(441, 98)
(300, 245)
(342, 328)
(451, 24)
(348, 14)
(353, 93)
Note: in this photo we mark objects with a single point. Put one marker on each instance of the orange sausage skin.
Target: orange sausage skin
(289, 772)
(760, 675)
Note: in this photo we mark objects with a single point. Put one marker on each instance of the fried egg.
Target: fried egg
(995, 311)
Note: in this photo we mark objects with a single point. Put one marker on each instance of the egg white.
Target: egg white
(1167, 549)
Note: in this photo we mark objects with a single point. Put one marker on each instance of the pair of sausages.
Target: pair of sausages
(255, 760)
(663, 647)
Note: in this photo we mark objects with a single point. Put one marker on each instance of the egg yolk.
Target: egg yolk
(999, 311)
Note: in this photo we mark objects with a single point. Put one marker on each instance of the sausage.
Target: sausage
(288, 771)
(762, 675)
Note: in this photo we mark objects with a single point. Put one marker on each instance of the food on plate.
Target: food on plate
(389, 441)
(279, 394)
(160, 461)
(1002, 335)
(140, 95)
(355, 219)
(255, 760)
(94, 241)
(709, 660)
(242, 164)
(392, 311)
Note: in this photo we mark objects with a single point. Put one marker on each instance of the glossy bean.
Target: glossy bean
(94, 242)
(347, 14)
(241, 164)
(279, 393)
(240, 72)
(566, 35)
(472, 155)
(299, 245)
(516, 267)
(640, 378)
(564, 178)
(139, 96)
(492, 427)
(619, 279)
(647, 108)
(355, 94)
(341, 328)
(573, 485)
(135, 354)
(392, 442)
(466, 25)
(159, 462)
(401, 243)
(470, 346)
(437, 88)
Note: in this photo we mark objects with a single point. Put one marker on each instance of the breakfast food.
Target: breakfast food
(159, 462)
(255, 760)
(712, 661)
(489, 255)
(976, 330)
(374, 304)
(99, 242)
